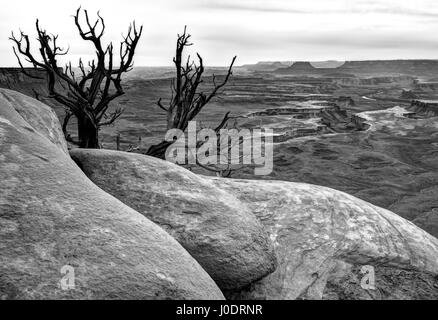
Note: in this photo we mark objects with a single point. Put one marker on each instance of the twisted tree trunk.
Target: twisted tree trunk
(88, 133)
(159, 150)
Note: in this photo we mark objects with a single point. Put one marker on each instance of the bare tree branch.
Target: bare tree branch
(187, 99)
(88, 94)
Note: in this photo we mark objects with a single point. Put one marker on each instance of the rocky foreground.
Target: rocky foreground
(134, 227)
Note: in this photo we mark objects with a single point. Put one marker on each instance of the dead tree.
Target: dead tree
(88, 94)
(187, 100)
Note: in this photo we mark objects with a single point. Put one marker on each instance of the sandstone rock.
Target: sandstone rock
(217, 229)
(316, 229)
(52, 215)
(390, 284)
(38, 117)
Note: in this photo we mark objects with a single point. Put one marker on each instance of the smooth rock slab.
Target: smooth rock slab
(38, 117)
(317, 231)
(52, 215)
(217, 229)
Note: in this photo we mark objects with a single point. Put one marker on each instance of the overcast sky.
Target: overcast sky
(253, 30)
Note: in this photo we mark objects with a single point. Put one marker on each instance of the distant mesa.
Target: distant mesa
(274, 65)
(408, 67)
(327, 64)
(391, 66)
(316, 65)
(306, 68)
(302, 66)
(267, 65)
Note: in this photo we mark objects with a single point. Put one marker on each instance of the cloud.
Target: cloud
(248, 6)
(320, 7)
(252, 29)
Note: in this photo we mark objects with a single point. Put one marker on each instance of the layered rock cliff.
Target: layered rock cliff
(425, 108)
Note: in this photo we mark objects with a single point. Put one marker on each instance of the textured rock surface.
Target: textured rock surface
(38, 117)
(315, 229)
(214, 226)
(390, 284)
(52, 215)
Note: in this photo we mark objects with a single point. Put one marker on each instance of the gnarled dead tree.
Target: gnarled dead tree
(86, 95)
(187, 100)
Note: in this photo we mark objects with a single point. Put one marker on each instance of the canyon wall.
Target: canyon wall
(428, 108)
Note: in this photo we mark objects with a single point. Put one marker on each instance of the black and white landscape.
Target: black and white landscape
(92, 206)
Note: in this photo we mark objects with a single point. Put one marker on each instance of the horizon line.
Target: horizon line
(265, 61)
